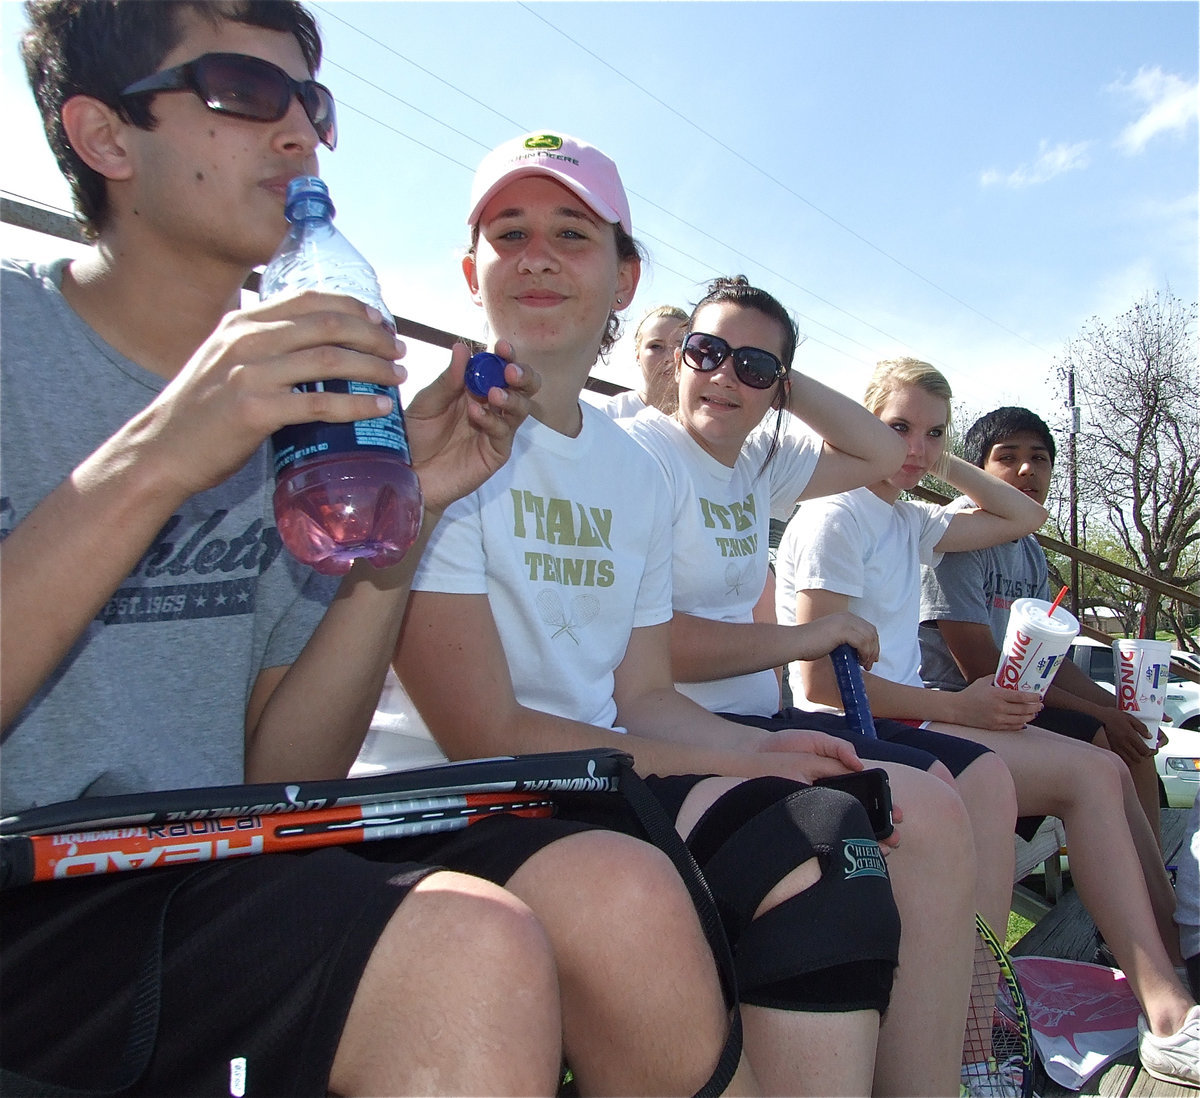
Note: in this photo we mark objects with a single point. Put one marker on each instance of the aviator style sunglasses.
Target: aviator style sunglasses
(246, 87)
(753, 366)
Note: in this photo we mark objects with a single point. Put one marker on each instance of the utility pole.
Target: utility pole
(1074, 409)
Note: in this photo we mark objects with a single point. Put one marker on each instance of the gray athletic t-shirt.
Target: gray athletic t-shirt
(977, 586)
(153, 695)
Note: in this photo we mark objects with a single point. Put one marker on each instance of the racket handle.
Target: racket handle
(854, 695)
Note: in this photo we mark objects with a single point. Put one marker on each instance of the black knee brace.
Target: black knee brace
(832, 947)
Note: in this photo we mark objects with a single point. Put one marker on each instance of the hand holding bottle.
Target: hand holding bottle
(240, 385)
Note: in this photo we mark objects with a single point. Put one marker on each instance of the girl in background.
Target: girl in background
(654, 344)
(862, 551)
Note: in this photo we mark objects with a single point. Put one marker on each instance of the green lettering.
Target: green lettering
(518, 516)
(602, 520)
(560, 522)
(537, 507)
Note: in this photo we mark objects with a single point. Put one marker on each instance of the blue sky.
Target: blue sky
(967, 182)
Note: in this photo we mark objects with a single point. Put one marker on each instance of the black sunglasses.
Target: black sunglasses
(753, 366)
(246, 87)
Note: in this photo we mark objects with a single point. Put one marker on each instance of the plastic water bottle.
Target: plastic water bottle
(342, 490)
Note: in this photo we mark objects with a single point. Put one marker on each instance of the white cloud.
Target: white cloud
(1169, 106)
(1051, 160)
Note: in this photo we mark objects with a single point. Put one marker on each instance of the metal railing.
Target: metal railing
(24, 215)
(13, 211)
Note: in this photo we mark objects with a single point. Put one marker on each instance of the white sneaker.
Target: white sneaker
(1174, 1059)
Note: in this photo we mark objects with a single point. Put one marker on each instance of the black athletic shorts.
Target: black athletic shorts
(897, 742)
(255, 968)
(1069, 722)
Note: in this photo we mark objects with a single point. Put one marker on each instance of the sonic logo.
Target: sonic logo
(1127, 681)
(1009, 675)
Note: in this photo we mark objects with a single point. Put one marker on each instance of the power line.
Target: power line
(779, 183)
(441, 80)
(326, 10)
(644, 198)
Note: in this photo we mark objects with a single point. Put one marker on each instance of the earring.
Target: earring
(620, 301)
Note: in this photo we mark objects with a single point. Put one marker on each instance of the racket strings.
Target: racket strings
(997, 1052)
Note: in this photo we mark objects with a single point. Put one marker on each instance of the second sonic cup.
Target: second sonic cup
(1141, 680)
(1034, 645)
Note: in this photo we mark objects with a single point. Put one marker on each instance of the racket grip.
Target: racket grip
(854, 695)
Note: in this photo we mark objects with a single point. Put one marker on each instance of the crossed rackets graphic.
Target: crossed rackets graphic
(584, 609)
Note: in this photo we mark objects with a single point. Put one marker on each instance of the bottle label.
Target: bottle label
(303, 441)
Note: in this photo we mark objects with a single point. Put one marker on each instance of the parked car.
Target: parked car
(1178, 760)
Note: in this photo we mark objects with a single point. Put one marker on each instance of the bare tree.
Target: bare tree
(1138, 382)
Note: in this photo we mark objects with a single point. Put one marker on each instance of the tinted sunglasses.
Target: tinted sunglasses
(753, 366)
(246, 87)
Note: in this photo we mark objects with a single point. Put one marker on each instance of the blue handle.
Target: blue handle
(854, 695)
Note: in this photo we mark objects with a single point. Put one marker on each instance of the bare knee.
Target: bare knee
(1109, 774)
(941, 771)
(461, 969)
(632, 884)
(935, 827)
(987, 786)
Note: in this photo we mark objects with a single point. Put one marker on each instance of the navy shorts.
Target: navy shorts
(1068, 722)
(897, 742)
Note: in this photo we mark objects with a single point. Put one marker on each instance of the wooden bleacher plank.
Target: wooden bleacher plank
(1067, 931)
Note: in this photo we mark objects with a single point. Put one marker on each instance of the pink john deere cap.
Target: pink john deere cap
(573, 163)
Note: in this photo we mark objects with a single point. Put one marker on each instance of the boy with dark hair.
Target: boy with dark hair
(965, 602)
(155, 635)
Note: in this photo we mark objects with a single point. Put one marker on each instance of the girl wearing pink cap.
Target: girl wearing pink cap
(540, 621)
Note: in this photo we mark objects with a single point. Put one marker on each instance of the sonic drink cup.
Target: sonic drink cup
(1034, 645)
(1141, 680)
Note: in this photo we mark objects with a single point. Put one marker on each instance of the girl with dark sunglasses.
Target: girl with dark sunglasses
(728, 471)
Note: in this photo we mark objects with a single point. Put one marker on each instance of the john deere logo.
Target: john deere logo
(543, 141)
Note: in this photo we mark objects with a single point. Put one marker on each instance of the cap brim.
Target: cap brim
(596, 205)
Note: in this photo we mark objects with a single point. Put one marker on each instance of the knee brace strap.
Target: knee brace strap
(847, 917)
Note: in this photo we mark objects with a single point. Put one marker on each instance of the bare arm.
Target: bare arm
(451, 661)
(859, 448)
(1004, 513)
(972, 646)
(236, 390)
(703, 649)
(980, 705)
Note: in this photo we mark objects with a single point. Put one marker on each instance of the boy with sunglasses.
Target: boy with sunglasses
(157, 636)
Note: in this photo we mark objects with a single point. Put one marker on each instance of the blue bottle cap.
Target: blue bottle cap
(485, 371)
(307, 197)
